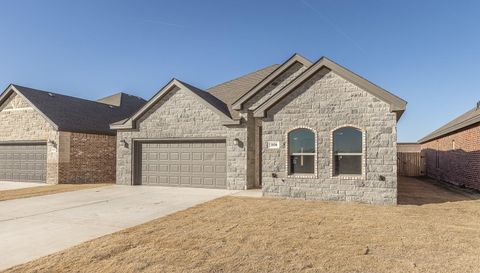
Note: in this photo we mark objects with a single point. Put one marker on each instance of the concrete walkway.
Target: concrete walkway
(34, 227)
(7, 185)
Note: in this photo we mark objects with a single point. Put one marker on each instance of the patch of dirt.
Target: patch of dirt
(420, 191)
(238, 234)
(45, 190)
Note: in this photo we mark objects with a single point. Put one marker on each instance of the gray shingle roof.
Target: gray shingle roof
(73, 114)
(230, 91)
(469, 118)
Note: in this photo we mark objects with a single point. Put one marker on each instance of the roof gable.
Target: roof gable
(12, 89)
(324, 65)
(219, 106)
(296, 58)
(203, 97)
(469, 118)
(230, 91)
(115, 99)
(71, 114)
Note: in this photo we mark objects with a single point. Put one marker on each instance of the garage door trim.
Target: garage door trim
(136, 151)
(24, 142)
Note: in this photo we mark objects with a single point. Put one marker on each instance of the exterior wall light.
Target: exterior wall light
(236, 141)
(52, 143)
(124, 143)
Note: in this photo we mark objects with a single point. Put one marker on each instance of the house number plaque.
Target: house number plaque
(273, 145)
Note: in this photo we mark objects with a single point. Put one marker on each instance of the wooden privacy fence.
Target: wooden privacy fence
(410, 164)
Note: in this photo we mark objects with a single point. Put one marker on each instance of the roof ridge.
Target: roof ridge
(239, 77)
(347, 74)
(73, 114)
(281, 68)
(449, 127)
(73, 97)
(55, 93)
(362, 77)
(189, 85)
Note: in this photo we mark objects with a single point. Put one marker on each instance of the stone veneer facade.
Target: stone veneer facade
(169, 119)
(324, 104)
(280, 81)
(71, 157)
(254, 124)
(21, 122)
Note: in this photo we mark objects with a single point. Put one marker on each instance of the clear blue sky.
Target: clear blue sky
(427, 52)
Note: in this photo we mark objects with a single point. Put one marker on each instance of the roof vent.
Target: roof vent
(51, 95)
(478, 104)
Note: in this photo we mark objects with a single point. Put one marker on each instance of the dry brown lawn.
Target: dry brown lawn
(45, 190)
(238, 234)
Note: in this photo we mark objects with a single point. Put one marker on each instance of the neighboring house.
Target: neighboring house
(453, 151)
(298, 129)
(52, 138)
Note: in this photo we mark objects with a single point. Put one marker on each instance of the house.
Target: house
(297, 129)
(453, 151)
(52, 138)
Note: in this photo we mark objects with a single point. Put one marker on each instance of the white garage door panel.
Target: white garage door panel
(26, 162)
(199, 163)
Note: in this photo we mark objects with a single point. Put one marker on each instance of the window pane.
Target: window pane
(302, 164)
(347, 140)
(348, 164)
(301, 141)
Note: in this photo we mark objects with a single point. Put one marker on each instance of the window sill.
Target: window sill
(349, 176)
(302, 175)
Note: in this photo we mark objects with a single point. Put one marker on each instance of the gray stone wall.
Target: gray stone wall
(180, 115)
(20, 122)
(324, 104)
(281, 81)
(253, 153)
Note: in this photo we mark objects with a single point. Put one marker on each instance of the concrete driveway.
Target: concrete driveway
(7, 185)
(34, 227)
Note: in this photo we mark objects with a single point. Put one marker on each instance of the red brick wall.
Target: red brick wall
(92, 159)
(455, 158)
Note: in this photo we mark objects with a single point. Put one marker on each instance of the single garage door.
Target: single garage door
(26, 162)
(200, 163)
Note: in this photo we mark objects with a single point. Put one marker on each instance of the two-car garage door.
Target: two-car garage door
(192, 163)
(26, 162)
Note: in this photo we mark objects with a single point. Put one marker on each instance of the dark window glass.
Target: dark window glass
(347, 140)
(302, 164)
(348, 164)
(301, 151)
(347, 151)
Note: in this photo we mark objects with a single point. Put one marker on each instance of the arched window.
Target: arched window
(347, 151)
(301, 151)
